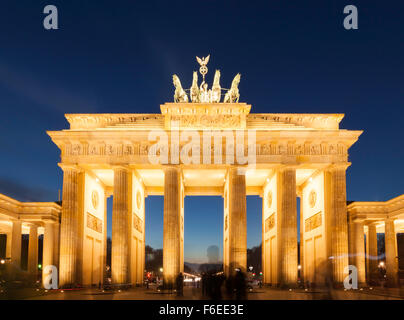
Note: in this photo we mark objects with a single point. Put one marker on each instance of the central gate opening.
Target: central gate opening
(203, 234)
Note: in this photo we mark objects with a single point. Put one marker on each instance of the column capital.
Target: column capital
(48, 221)
(70, 167)
(285, 167)
(33, 225)
(121, 167)
(176, 168)
(171, 167)
(338, 166)
(372, 224)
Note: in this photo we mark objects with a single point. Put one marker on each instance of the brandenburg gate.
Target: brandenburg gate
(199, 145)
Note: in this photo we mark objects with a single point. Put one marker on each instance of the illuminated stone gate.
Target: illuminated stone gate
(296, 155)
(200, 148)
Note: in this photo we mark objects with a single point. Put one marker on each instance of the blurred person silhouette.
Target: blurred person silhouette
(230, 287)
(240, 285)
(180, 284)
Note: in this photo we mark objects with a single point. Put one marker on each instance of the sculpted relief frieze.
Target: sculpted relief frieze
(301, 149)
(143, 148)
(221, 121)
(108, 120)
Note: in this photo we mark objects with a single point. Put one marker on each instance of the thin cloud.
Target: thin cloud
(47, 94)
(22, 192)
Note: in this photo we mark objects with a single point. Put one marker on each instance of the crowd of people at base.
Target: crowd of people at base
(212, 283)
(235, 285)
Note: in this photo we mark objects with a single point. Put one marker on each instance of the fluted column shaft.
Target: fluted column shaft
(120, 229)
(56, 243)
(48, 245)
(8, 244)
(337, 226)
(33, 250)
(16, 244)
(359, 250)
(237, 221)
(172, 232)
(391, 252)
(372, 254)
(69, 228)
(287, 226)
(105, 251)
(301, 241)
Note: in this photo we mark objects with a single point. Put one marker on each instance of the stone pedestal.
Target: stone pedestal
(287, 226)
(33, 250)
(120, 226)
(172, 231)
(237, 221)
(16, 244)
(391, 253)
(69, 228)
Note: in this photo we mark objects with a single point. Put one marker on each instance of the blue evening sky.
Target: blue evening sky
(119, 56)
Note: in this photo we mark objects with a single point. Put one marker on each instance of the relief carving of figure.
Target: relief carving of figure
(93, 150)
(76, 149)
(128, 150)
(109, 149)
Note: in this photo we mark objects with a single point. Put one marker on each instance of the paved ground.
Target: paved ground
(195, 294)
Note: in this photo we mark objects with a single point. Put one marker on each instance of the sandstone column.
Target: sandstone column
(48, 245)
(120, 229)
(367, 254)
(372, 254)
(287, 226)
(69, 227)
(33, 250)
(359, 251)
(336, 222)
(351, 245)
(56, 244)
(104, 260)
(301, 241)
(237, 221)
(172, 232)
(391, 253)
(8, 244)
(16, 244)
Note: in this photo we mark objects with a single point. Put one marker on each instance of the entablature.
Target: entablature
(29, 211)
